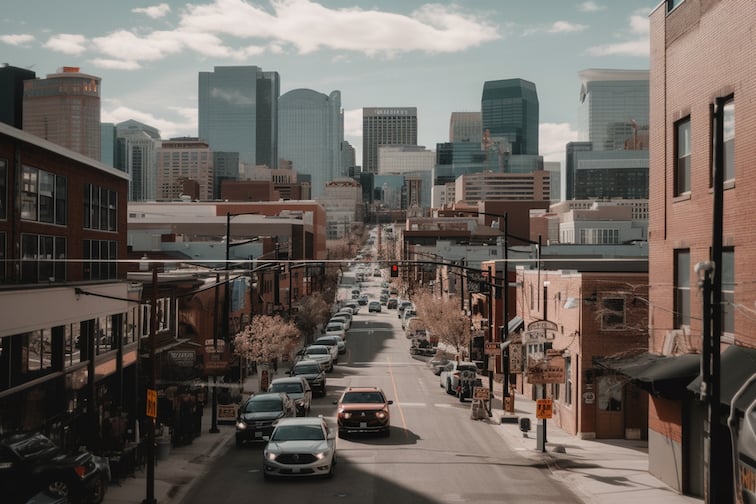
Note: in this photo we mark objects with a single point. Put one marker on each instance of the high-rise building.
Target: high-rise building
(225, 167)
(509, 110)
(386, 126)
(108, 143)
(135, 154)
(238, 112)
(613, 107)
(12, 94)
(180, 160)
(466, 127)
(64, 108)
(605, 174)
(310, 134)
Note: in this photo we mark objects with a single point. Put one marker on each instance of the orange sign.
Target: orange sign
(152, 403)
(544, 408)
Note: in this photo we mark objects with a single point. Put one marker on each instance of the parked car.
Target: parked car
(374, 306)
(300, 447)
(438, 365)
(345, 318)
(31, 463)
(403, 305)
(363, 409)
(392, 303)
(355, 306)
(336, 341)
(455, 373)
(297, 388)
(320, 354)
(332, 345)
(408, 314)
(312, 372)
(335, 329)
(259, 415)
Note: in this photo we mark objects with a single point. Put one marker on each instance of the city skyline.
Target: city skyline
(435, 57)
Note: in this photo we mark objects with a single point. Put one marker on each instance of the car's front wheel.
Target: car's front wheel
(59, 487)
(98, 491)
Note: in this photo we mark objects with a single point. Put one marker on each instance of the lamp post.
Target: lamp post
(150, 491)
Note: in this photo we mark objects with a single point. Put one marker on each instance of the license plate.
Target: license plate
(363, 425)
(258, 434)
(295, 469)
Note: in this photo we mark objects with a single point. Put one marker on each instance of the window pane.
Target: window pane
(46, 201)
(60, 254)
(29, 255)
(728, 291)
(61, 200)
(87, 206)
(29, 193)
(729, 140)
(682, 154)
(46, 255)
(3, 189)
(682, 288)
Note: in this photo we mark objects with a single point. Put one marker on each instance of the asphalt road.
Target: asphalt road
(435, 454)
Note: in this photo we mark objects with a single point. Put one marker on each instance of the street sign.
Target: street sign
(544, 408)
(482, 393)
(492, 348)
(151, 403)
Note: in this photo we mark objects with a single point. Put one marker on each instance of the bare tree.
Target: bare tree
(312, 314)
(444, 319)
(266, 338)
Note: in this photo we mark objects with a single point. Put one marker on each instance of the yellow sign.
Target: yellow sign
(544, 408)
(482, 393)
(152, 403)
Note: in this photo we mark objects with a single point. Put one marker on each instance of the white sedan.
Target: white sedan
(301, 446)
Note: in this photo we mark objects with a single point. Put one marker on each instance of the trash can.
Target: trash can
(524, 425)
(163, 449)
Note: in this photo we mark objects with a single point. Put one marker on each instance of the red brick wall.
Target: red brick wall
(665, 417)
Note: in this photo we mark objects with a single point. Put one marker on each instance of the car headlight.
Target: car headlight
(321, 455)
(346, 414)
(240, 425)
(381, 414)
(269, 455)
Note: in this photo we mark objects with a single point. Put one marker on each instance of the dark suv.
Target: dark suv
(32, 463)
(314, 374)
(363, 409)
(260, 414)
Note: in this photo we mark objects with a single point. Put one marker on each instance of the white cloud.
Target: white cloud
(566, 27)
(155, 12)
(638, 47)
(353, 123)
(19, 39)
(590, 7)
(184, 125)
(552, 138)
(115, 64)
(67, 43)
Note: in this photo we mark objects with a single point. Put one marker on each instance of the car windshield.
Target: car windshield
(308, 369)
(263, 406)
(289, 388)
(363, 397)
(298, 432)
(319, 350)
(325, 342)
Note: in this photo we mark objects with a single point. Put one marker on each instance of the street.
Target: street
(435, 454)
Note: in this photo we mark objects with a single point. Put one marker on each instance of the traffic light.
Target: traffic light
(394, 270)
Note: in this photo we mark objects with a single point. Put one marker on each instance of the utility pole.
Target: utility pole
(150, 497)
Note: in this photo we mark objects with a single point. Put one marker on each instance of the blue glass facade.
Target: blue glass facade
(509, 109)
(238, 112)
(311, 135)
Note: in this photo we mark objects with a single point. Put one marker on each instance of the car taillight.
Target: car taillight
(80, 471)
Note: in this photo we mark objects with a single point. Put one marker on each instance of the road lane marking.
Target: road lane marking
(396, 398)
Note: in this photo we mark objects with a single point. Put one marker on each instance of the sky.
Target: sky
(379, 53)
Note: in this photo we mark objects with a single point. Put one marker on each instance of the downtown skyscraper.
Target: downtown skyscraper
(509, 110)
(238, 112)
(311, 134)
(386, 126)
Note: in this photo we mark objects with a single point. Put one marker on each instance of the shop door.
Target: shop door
(610, 414)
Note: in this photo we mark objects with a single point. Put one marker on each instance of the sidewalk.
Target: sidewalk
(598, 471)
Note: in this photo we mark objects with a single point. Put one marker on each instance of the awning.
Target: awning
(515, 323)
(660, 375)
(737, 365)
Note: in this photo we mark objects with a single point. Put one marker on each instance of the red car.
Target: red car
(363, 409)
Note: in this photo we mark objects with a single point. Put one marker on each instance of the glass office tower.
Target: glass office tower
(238, 112)
(509, 109)
(310, 135)
(613, 107)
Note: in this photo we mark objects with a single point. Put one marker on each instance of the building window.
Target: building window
(72, 344)
(3, 256)
(672, 4)
(682, 288)
(3, 189)
(39, 350)
(100, 208)
(682, 157)
(100, 258)
(728, 151)
(43, 196)
(612, 313)
(43, 258)
(568, 380)
(728, 290)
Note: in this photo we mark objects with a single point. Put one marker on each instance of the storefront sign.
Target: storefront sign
(493, 348)
(183, 358)
(547, 371)
(227, 412)
(544, 408)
